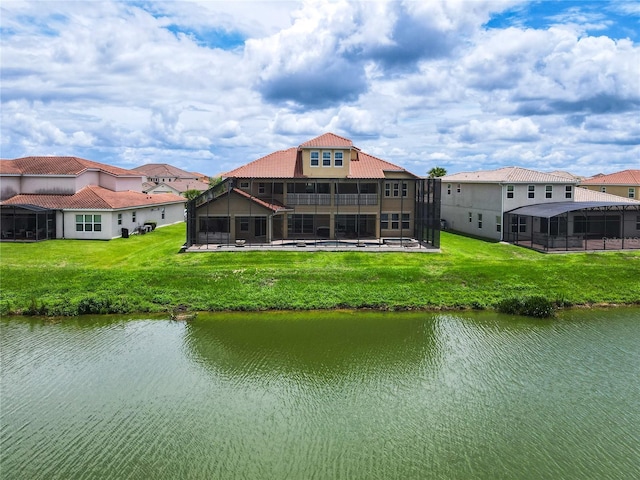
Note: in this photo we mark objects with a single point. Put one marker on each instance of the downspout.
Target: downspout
(502, 214)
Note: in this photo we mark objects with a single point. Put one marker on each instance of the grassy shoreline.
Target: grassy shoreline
(147, 274)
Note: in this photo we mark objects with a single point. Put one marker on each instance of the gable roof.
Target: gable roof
(328, 140)
(625, 177)
(182, 185)
(94, 197)
(288, 163)
(507, 175)
(163, 170)
(58, 166)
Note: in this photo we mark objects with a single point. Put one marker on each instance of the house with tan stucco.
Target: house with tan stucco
(325, 188)
(624, 184)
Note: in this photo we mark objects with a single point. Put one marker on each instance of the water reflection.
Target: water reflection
(307, 347)
(322, 395)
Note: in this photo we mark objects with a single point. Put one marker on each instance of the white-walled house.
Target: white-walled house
(69, 197)
(499, 205)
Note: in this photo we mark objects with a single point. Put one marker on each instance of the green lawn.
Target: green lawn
(146, 273)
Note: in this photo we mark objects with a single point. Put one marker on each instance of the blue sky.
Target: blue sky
(210, 85)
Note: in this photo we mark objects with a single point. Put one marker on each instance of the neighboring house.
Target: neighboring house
(624, 184)
(68, 197)
(178, 187)
(164, 173)
(326, 188)
(540, 210)
(165, 178)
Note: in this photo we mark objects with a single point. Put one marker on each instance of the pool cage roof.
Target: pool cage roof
(549, 210)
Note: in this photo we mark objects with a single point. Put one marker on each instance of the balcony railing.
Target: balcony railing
(325, 199)
(357, 199)
(308, 199)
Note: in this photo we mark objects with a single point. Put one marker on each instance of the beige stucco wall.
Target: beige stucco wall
(620, 190)
(325, 172)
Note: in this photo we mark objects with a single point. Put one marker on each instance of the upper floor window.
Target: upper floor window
(458, 189)
(448, 189)
(509, 191)
(326, 159)
(261, 188)
(337, 159)
(632, 192)
(603, 189)
(244, 184)
(532, 191)
(88, 223)
(568, 191)
(396, 188)
(315, 159)
(548, 191)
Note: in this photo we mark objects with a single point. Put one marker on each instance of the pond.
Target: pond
(323, 395)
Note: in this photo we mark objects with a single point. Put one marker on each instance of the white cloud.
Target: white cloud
(415, 83)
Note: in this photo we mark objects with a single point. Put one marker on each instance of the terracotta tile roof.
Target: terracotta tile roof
(586, 195)
(328, 140)
(281, 164)
(367, 166)
(58, 166)
(94, 198)
(271, 206)
(163, 170)
(184, 185)
(288, 163)
(625, 177)
(507, 175)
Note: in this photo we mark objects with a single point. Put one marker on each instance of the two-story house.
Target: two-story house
(624, 184)
(326, 188)
(68, 197)
(165, 178)
(536, 209)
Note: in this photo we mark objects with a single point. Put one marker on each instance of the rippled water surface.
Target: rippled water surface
(331, 395)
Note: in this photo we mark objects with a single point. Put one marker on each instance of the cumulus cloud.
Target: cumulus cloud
(521, 130)
(455, 83)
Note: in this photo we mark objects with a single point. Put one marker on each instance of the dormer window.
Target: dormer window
(315, 159)
(337, 159)
(326, 159)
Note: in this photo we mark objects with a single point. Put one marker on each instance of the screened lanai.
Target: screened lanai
(27, 223)
(575, 226)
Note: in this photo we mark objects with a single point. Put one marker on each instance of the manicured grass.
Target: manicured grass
(146, 273)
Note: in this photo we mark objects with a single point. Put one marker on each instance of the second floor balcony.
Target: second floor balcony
(325, 199)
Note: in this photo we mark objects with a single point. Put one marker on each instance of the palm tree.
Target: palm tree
(437, 172)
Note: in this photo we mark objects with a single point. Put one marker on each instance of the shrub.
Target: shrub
(535, 306)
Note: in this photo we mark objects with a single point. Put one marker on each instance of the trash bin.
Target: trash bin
(125, 233)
